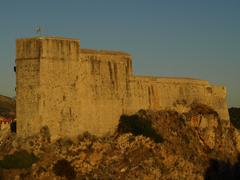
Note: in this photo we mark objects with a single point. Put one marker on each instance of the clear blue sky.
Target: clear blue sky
(189, 38)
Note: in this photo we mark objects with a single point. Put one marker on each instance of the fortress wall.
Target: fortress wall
(105, 85)
(217, 99)
(27, 49)
(59, 48)
(160, 93)
(73, 90)
(27, 85)
(175, 93)
(59, 80)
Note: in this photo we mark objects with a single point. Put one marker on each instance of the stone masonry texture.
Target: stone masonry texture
(73, 90)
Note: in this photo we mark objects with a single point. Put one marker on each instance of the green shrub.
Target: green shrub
(63, 168)
(138, 125)
(18, 160)
(218, 169)
(234, 114)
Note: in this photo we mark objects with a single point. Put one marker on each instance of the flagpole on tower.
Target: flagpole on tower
(39, 30)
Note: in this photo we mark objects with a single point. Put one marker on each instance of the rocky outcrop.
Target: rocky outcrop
(194, 145)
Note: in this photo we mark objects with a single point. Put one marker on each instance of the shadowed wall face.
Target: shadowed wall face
(28, 85)
(73, 90)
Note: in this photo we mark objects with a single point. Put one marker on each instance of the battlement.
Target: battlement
(72, 90)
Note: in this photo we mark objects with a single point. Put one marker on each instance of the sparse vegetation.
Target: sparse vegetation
(222, 170)
(63, 168)
(138, 125)
(234, 114)
(183, 153)
(18, 160)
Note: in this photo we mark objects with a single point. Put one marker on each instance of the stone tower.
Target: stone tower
(36, 59)
(65, 88)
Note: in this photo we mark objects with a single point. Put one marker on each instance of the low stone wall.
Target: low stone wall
(175, 93)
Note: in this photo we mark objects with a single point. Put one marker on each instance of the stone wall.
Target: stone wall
(27, 85)
(176, 94)
(73, 90)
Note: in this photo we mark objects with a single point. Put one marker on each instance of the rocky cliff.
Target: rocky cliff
(146, 145)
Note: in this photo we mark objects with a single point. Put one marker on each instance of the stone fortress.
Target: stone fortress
(74, 90)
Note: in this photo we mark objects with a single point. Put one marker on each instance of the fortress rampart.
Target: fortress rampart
(73, 90)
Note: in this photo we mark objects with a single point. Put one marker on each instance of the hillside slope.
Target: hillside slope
(147, 145)
(7, 105)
